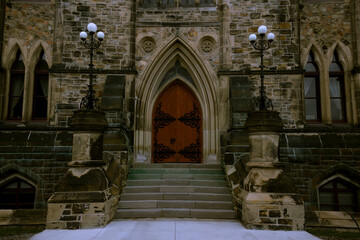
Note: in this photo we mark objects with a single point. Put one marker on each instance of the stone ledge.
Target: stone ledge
(73, 197)
(23, 217)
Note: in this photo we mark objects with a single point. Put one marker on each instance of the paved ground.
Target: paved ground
(171, 229)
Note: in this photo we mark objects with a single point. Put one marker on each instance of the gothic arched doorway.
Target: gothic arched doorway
(177, 126)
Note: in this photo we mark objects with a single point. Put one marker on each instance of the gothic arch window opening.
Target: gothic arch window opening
(312, 90)
(16, 93)
(17, 194)
(41, 83)
(337, 90)
(338, 194)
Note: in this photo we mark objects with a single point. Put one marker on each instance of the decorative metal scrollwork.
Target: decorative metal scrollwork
(162, 119)
(267, 102)
(192, 118)
(192, 152)
(162, 152)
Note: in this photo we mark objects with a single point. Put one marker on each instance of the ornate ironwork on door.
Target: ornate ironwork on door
(161, 120)
(192, 152)
(177, 126)
(192, 118)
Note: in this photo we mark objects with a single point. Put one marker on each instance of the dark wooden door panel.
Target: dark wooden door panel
(177, 126)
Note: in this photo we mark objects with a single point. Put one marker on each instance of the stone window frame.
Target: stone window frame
(30, 60)
(11, 171)
(17, 71)
(316, 75)
(323, 59)
(344, 171)
(345, 179)
(38, 73)
(17, 177)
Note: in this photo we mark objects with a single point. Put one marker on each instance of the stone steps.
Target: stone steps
(175, 213)
(176, 191)
(177, 176)
(178, 188)
(175, 204)
(174, 182)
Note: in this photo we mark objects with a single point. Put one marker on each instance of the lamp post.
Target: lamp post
(262, 45)
(91, 44)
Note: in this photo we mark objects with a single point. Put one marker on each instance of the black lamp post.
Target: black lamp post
(262, 45)
(91, 44)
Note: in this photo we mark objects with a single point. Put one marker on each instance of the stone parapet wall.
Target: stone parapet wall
(76, 215)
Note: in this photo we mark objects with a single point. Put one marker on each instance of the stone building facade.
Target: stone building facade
(151, 45)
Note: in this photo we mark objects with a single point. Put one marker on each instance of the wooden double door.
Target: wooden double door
(177, 126)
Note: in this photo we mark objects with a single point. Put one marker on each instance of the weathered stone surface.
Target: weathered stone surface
(272, 211)
(87, 146)
(114, 90)
(90, 120)
(230, 73)
(83, 179)
(264, 121)
(23, 217)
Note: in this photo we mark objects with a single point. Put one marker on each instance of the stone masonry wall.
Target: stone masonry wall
(325, 23)
(29, 23)
(307, 155)
(111, 17)
(280, 17)
(40, 156)
(285, 92)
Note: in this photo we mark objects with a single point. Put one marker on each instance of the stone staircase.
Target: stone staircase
(176, 191)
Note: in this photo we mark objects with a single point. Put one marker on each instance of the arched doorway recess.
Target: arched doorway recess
(177, 126)
(198, 77)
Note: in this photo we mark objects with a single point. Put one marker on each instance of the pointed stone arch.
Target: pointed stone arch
(35, 54)
(319, 58)
(33, 61)
(12, 171)
(345, 58)
(203, 87)
(345, 55)
(342, 171)
(9, 58)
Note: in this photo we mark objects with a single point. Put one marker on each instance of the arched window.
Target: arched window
(168, 3)
(337, 90)
(185, 3)
(16, 94)
(148, 3)
(41, 83)
(312, 90)
(17, 194)
(337, 195)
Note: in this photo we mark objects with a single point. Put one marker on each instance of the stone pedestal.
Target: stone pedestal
(84, 198)
(268, 196)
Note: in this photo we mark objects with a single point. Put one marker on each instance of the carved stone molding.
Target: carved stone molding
(207, 44)
(148, 45)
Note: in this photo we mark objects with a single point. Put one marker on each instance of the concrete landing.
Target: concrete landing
(172, 229)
